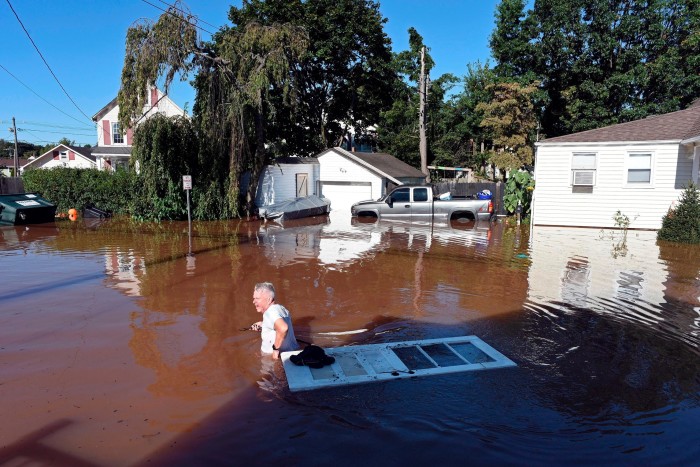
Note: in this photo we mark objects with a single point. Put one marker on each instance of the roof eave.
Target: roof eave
(694, 139)
(607, 143)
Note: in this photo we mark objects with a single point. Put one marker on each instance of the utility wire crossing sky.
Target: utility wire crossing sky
(62, 60)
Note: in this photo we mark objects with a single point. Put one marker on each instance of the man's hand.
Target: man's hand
(256, 326)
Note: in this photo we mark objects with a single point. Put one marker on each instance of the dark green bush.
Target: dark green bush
(77, 188)
(682, 223)
(165, 149)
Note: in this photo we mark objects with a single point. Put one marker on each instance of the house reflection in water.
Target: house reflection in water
(583, 268)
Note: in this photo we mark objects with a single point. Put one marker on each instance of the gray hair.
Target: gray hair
(266, 286)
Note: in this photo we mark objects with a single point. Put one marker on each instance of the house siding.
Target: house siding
(338, 168)
(278, 182)
(555, 204)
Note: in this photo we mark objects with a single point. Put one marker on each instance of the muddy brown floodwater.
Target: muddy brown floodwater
(117, 348)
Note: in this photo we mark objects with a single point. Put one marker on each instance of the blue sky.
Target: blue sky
(83, 43)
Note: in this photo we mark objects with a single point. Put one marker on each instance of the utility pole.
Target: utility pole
(14, 130)
(423, 94)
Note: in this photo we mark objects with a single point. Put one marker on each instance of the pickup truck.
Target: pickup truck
(419, 204)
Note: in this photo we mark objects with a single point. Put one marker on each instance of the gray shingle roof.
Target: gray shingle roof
(112, 150)
(388, 164)
(675, 126)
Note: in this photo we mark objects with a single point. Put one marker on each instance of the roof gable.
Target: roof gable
(85, 153)
(679, 126)
(385, 164)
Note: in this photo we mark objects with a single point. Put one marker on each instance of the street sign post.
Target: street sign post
(187, 186)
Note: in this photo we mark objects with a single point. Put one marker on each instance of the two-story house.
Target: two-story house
(114, 145)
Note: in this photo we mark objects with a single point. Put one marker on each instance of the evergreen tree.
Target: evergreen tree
(682, 223)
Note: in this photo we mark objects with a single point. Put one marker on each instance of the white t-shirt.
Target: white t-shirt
(268, 333)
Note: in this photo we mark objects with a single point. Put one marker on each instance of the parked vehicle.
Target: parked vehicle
(420, 204)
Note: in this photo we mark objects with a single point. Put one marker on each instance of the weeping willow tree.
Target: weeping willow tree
(235, 76)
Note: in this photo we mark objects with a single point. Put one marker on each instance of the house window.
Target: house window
(638, 169)
(117, 136)
(64, 155)
(583, 168)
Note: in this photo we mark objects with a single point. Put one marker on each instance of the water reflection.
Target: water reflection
(638, 286)
(140, 345)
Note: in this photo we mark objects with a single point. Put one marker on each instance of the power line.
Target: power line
(56, 132)
(176, 16)
(189, 13)
(27, 122)
(45, 62)
(37, 95)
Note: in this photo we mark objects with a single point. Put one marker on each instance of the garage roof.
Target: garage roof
(381, 162)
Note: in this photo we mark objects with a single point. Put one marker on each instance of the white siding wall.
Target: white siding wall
(555, 204)
(337, 168)
(165, 106)
(278, 182)
(78, 163)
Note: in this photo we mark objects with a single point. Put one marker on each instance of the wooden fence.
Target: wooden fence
(497, 189)
(11, 185)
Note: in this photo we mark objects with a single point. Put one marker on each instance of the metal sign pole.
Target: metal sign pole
(187, 186)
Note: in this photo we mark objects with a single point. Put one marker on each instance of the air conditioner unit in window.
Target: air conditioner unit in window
(584, 177)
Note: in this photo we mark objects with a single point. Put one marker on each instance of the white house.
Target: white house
(113, 144)
(63, 156)
(638, 168)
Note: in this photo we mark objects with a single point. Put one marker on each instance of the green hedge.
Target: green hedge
(77, 188)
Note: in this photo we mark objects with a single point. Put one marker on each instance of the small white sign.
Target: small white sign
(28, 202)
(187, 182)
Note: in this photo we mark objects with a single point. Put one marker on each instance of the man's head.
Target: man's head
(263, 296)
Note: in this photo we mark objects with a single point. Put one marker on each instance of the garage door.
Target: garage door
(344, 194)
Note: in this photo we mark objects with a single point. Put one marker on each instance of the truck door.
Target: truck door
(398, 205)
(421, 207)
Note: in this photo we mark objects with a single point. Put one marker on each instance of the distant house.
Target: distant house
(114, 145)
(342, 176)
(638, 168)
(63, 156)
(7, 165)
(113, 148)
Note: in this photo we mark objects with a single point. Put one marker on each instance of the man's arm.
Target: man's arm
(281, 330)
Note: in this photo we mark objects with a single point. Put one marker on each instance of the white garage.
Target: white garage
(344, 194)
(347, 177)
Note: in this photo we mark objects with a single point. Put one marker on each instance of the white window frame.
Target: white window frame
(63, 155)
(636, 156)
(578, 170)
(117, 133)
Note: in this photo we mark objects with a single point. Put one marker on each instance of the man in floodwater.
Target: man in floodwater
(275, 328)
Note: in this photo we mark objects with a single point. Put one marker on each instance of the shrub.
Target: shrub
(682, 223)
(519, 189)
(77, 188)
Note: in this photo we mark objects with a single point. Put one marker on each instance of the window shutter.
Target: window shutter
(55, 155)
(129, 136)
(154, 97)
(106, 132)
